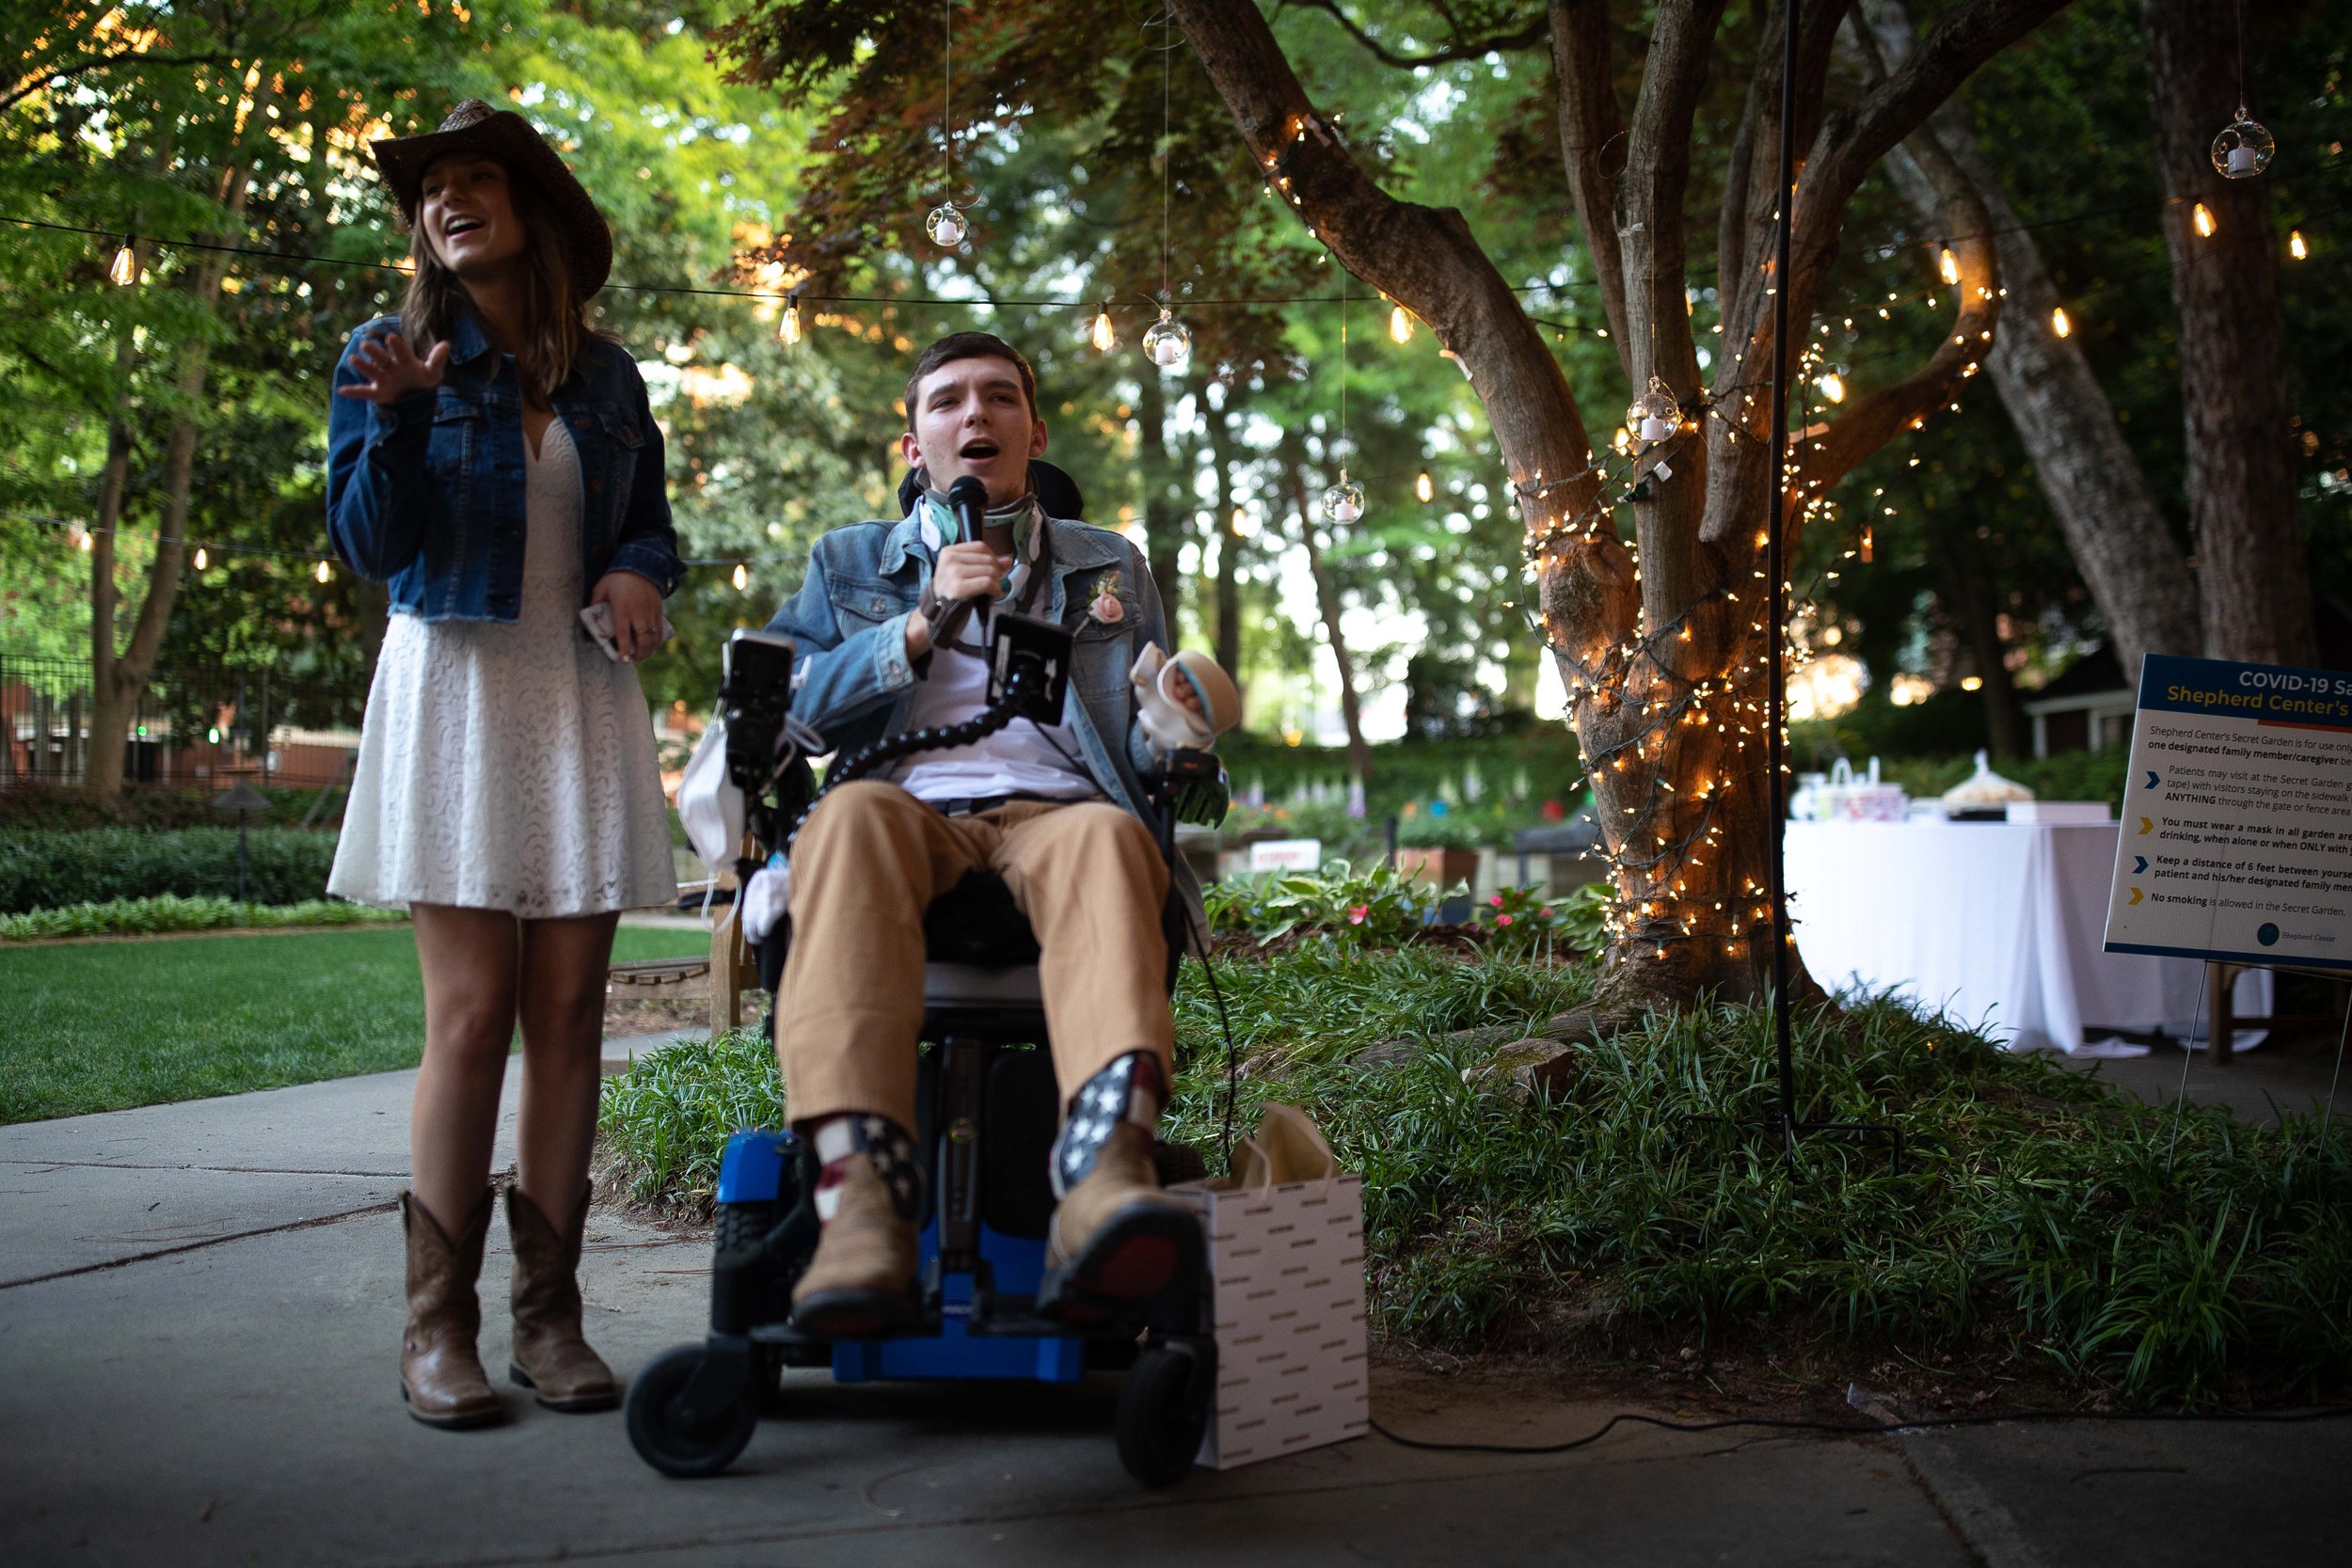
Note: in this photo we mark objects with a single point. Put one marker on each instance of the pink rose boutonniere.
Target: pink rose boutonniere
(1106, 607)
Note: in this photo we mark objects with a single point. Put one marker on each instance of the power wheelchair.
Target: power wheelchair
(988, 1111)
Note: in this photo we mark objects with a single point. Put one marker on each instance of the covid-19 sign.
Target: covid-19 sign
(2237, 817)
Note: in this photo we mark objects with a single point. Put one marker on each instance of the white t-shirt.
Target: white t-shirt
(1019, 759)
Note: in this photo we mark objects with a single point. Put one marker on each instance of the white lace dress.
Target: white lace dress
(510, 766)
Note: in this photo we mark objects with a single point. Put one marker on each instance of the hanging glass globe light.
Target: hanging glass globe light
(2244, 149)
(1653, 416)
(945, 226)
(1167, 342)
(1344, 504)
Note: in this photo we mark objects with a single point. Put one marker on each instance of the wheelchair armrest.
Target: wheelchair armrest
(1193, 786)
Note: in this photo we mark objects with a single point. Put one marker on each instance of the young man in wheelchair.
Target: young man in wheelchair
(888, 626)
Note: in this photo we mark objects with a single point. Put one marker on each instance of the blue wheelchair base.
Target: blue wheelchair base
(756, 1169)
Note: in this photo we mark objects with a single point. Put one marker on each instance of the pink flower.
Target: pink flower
(1496, 901)
(1356, 916)
(1502, 920)
(1107, 610)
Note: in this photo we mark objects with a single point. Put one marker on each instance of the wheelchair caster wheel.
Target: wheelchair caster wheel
(1164, 1412)
(665, 1440)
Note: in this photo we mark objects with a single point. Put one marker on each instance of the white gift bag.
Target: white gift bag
(1286, 1295)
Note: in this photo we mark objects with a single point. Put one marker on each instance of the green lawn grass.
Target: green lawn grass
(97, 1026)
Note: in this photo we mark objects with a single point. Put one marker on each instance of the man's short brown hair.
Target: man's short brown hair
(969, 345)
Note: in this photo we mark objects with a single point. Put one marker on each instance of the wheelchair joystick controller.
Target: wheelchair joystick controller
(1029, 678)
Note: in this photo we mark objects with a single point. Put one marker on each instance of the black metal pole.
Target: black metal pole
(1775, 568)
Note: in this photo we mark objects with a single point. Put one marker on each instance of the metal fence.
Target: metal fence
(191, 728)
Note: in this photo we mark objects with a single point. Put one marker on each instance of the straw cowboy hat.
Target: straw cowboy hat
(473, 126)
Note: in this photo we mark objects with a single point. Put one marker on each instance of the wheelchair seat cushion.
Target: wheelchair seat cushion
(976, 922)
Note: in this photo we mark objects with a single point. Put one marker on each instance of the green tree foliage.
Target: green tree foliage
(686, 169)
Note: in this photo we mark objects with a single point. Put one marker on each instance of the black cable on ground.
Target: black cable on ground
(1851, 1429)
(1232, 1085)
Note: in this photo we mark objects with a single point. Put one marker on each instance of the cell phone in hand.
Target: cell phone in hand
(597, 618)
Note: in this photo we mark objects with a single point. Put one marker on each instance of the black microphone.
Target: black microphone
(967, 498)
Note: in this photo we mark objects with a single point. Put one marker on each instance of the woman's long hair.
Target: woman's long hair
(555, 314)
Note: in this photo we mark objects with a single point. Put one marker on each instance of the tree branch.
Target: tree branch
(52, 77)
(1657, 339)
(1525, 37)
(1853, 139)
(1424, 258)
(1589, 124)
(1878, 417)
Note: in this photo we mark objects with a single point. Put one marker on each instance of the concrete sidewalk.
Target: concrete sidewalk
(199, 1309)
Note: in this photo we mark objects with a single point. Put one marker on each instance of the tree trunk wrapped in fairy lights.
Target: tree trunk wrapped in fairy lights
(1660, 638)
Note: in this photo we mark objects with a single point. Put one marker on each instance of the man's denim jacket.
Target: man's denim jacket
(853, 683)
(427, 493)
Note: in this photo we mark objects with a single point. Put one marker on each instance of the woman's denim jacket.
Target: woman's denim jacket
(427, 493)
(853, 682)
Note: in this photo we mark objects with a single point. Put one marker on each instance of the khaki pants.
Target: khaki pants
(867, 865)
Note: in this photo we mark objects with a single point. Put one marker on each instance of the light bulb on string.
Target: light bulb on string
(1833, 386)
(1653, 416)
(1425, 487)
(945, 223)
(1167, 342)
(945, 226)
(325, 573)
(203, 559)
(124, 270)
(2296, 248)
(2201, 219)
(789, 330)
(79, 537)
(1400, 325)
(2060, 324)
(1106, 337)
(1947, 265)
(1344, 503)
(2244, 149)
(742, 577)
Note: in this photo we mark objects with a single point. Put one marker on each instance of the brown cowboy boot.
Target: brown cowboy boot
(1115, 1238)
(860, 1282)
(440, 1370)
(551, 1357)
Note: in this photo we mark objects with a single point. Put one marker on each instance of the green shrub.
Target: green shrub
(2033, 1205)
(1374, 907)
(40, 870)
(27, 805)
(1453, 830)
(667, 1119)
(169, 913)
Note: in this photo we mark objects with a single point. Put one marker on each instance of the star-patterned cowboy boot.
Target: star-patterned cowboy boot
(859, 1283)
(1115, 1239)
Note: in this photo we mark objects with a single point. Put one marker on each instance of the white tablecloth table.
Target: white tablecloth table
(1997, 924)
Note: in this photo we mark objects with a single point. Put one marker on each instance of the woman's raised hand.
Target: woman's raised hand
(393, 371)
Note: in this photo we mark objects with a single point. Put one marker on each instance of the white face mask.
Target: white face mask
(708, 803)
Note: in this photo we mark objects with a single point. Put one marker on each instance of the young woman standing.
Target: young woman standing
(496, 462)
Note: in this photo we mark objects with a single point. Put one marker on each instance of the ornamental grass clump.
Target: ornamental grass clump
(2034, 1204)
(2036, 1209)
(665, 1122)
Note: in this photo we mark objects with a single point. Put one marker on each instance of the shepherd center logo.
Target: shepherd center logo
(2268, 935)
